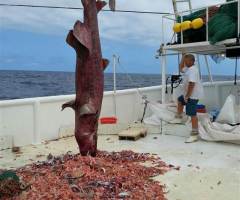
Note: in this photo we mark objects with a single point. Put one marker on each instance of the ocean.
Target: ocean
(26, 84)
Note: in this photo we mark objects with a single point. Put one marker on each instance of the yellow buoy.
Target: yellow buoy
(186, 25)
(177, 27)
(197, 23)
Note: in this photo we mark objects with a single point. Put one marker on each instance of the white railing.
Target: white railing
(172, 18)
(33, 120)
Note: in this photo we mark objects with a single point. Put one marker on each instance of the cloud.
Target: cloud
(124, 27)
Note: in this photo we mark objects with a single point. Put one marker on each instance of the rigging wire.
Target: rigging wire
(80, 8)
(132, 82)
(137, 87)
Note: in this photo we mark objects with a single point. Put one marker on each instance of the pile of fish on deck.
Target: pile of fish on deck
(120, 175)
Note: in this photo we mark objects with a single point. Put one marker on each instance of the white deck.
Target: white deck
(208, 171)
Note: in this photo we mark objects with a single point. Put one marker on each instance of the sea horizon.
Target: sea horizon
(17, 84)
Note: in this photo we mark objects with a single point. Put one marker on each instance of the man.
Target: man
(192, 92)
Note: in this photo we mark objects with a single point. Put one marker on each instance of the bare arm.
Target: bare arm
(182, 63)
(191, 86)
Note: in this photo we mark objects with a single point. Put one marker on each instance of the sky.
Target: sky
(34, 38)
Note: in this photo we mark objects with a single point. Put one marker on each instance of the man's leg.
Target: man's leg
(180, 118)
(180, 107)
(191, 109)
(194, 120)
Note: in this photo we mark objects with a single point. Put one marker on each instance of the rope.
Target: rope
(79, 8)
(144, 97)
(131, 80)
(141, 95)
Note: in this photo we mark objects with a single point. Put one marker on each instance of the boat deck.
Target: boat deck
(208, 170)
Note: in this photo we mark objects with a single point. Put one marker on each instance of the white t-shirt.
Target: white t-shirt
(191, 74)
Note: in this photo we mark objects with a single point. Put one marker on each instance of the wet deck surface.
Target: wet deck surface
(208, 171)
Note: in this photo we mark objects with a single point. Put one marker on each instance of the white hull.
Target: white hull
(34, 120)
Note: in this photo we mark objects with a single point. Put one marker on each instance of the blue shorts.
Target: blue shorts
(191, 105)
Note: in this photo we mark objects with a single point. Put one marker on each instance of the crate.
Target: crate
(132, 134)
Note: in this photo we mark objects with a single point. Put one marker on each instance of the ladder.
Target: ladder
(175, 6)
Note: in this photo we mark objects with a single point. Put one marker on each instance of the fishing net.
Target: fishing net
(226, 17)
(219, 17)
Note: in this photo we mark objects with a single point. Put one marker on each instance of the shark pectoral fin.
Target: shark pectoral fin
(70, 38)
(74, 43)
(105, 63)
(70, 104)
(82, 34)
(87, 109)
(100, 5)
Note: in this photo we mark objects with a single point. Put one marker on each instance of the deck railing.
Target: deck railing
(31, 121)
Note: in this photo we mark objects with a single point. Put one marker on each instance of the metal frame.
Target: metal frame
(181, 14)
(175, 2)
(220, 47)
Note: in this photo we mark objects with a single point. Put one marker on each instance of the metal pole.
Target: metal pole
(218, 101)
(208, 68)
(181, 30)
(238, 18)
(163, 30)
(235, 75)
(190, 5)
(175, 8)
(199, 68)
(207, 19)
(179, 72)
(114, 85)
(163, 69)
